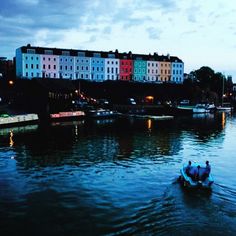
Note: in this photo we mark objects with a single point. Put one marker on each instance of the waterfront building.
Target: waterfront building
(126, 67)
(28, 63)
(50, 65)
(177, 70)
(82, 66)
(66, 65)
(112, 67)
(139, 68)
(41, 62)
(152, 70)
(97, 67)
(165, 68)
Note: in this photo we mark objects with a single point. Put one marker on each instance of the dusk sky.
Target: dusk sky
(201, 33)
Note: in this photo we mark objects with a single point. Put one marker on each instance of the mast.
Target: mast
(223, 89)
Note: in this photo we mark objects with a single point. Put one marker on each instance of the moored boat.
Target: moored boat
(225, 107)
(101, 113)
(201, 182)
(67, 115)
(201, 108)
(15, 120)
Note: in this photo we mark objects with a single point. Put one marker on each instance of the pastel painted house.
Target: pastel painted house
(152, 71)
(82, 66)
(177, 70)
(126, 67)
(97, 67)
(49, 64)
(28, 64)
(112, 67)
(139, 68)
(164, 64)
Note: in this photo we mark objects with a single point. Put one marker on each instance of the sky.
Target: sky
(201, 33)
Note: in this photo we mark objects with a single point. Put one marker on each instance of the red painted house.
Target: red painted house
(126, 69)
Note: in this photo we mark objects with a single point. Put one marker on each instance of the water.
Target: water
(117, 177)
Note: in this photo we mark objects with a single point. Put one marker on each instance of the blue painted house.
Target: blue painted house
(97, 67)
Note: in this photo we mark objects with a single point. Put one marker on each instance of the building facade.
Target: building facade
(152, 71)
(82, 66)
(139, 69)
(177, 70)
(112, 67)
(164, 64)
(41, 62)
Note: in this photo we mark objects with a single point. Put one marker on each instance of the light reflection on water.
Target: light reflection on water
(112, 177)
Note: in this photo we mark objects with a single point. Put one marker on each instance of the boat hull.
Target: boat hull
(187, 181)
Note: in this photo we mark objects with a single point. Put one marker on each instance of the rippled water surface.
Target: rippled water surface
(117, 177)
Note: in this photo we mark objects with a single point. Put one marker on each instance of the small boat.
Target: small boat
(187, 181)
(152, 117)
(201, 108)
(101, 113)
(225, 107)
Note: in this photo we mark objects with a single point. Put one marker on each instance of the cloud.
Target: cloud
(153, 33)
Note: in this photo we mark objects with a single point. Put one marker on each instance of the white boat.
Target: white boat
(226, 107)
(15, 120)
(201, 108)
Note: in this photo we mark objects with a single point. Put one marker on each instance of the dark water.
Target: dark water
(117, 177)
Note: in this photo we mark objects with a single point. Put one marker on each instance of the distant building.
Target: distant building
(126, 67)
(6, 67)
(112, 67)
(140, 68)
(177, 70)
(165, 68)
(153, 72)
(41, 62)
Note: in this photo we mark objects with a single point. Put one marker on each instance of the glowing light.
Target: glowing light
(11, 82)
(149, 123)
(223, 120)
(11, 139)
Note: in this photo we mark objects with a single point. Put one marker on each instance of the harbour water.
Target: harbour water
(117, 177)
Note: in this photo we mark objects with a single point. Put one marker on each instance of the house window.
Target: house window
(111, 55)
(48, 52)
(96, 54)
(54, 67)
(65, 53)
(81, 54)
(31, 51)
(26, 66)
(32, 66)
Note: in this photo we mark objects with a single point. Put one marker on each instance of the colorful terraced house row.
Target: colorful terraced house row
(42, 62)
